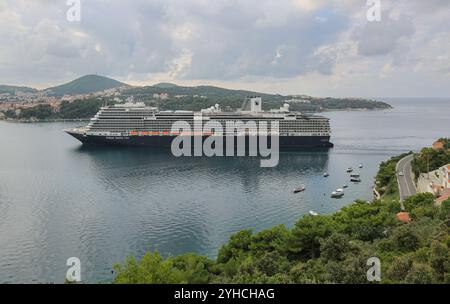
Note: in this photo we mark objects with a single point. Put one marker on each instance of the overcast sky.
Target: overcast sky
(316, 47)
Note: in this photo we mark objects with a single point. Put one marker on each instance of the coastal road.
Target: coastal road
(406, 184)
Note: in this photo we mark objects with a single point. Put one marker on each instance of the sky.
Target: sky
(314, 47)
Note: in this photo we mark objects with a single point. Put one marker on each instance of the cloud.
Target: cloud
(382, 38)
(227, 41)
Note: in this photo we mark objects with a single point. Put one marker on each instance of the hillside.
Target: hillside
(198, 97)
(12, 89)
(85, 85)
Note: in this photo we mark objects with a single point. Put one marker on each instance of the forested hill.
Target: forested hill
(198, 97)
(85, 85)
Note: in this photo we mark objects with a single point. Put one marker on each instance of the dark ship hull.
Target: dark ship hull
(285, 142)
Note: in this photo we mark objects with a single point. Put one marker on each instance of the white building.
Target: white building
(443, 174)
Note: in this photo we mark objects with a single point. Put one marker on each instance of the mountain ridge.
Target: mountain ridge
(85, 85)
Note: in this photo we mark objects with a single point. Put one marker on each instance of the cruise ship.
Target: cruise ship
(135, 124)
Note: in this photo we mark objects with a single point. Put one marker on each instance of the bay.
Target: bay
(59, 200)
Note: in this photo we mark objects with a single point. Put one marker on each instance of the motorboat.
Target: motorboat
(300, 189)
(337, 194)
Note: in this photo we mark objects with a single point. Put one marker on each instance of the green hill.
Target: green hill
(85, 85)
(198, 97)
(12, 89)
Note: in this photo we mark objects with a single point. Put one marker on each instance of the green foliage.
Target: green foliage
(405, 238)
(206, 96)
(85, 85)
(304, 242)
(429, 159)
(419, 205)
(81, 108)
(151, 269)
(335, 247)
(364, 221)
(420, 274)
(39, 112)
(85, 108)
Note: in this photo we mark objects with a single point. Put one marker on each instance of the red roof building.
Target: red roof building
(403, 217)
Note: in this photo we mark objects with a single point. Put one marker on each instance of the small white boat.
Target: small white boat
(349, 170)
(336, 194)
(313, 213)
(326, 174)
(345, 186)
(361, 166)
(355, 180)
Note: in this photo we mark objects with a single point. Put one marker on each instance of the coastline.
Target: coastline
(27, 121)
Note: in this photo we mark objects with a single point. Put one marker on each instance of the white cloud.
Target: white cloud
(266, 44)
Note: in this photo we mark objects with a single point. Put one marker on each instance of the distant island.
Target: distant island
(82, 98)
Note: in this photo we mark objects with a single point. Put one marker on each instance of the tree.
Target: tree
(335, 247)
(195, 269)
(420, 274)
(269, 240)
(405, 238)
(399, 268)
(151, 269)
(419, 200)
(439, 258)
(238, 244)
(304, 241)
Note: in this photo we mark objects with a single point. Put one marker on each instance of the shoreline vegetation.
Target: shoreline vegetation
(322, 249)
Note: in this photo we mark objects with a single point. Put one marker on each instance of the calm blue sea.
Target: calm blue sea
(58, 200)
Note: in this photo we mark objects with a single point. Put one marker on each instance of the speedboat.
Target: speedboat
(300, 189)
(345, 186)
(326, 174)
(361, 166)
(313, 213)
(355, 180)
(350, 169)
